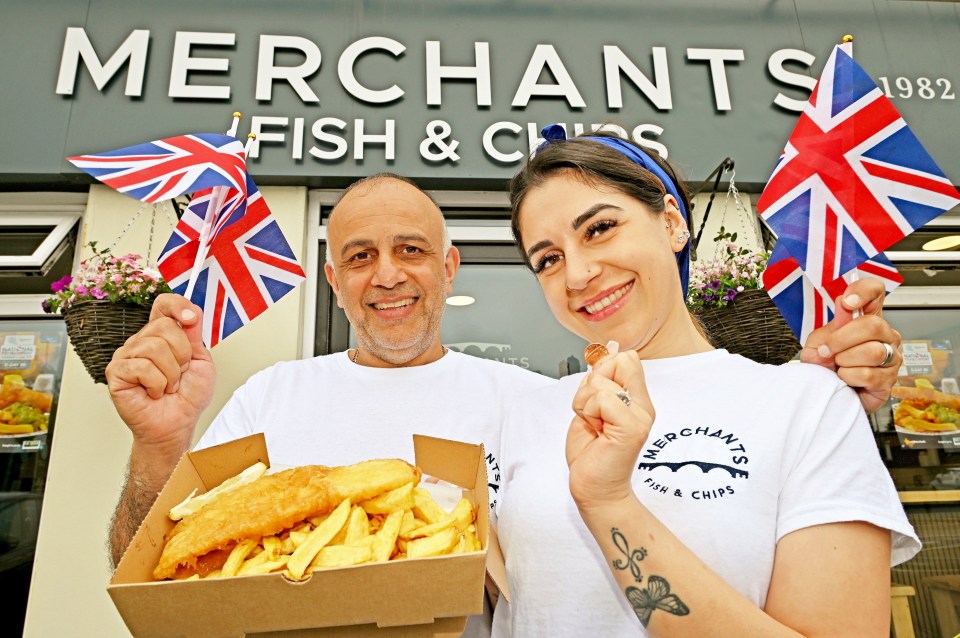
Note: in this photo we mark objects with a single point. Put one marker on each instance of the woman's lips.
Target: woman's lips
(606, 303)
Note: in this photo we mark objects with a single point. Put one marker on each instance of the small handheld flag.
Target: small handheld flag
(227, 253)
(167, 168)
(248, 263)
(852, 181)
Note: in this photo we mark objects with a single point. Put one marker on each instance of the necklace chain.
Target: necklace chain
(356, 353)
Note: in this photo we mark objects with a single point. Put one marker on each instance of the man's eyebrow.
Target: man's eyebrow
(369, 243)
(579, 221)
(403, 239)
(356, 243)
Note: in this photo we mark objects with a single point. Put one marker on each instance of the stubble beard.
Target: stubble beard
(397, 352)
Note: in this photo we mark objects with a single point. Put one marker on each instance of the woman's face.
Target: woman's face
(605, 261)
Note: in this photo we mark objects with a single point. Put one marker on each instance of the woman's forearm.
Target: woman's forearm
(672, 592)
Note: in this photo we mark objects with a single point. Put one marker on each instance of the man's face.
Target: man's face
(389, 271)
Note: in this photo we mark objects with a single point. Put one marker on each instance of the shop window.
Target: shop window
(38, 244)
(921, 447)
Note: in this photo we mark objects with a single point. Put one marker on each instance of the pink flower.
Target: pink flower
(61, 283)
(99, 294)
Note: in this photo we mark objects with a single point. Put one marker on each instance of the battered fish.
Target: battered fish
(276, 502)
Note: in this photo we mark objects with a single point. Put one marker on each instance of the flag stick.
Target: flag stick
(854, 275)
(214, 205)
(233, 127)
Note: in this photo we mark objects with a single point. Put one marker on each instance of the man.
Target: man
(391, 265)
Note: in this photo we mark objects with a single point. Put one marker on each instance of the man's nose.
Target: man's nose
(388, 271)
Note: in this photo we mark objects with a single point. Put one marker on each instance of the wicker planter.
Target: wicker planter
(96, 328)
(751, 326)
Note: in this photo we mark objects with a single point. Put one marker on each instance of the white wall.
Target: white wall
(90, 444)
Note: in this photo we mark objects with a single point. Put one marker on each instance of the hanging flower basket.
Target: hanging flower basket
(726, 295)
(750, 326)
(104, 303)
(98, 327)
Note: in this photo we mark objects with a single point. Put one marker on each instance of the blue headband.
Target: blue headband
(555, 132)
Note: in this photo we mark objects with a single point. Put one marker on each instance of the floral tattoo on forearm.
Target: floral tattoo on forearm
(656, 595)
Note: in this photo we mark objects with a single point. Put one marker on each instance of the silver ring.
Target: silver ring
(889, 356)
(624, 396)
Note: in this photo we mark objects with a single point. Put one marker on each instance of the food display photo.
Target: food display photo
(30, 366)
(232, 548)
(926, 410)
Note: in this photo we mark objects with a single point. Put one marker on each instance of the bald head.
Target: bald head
(384, 183)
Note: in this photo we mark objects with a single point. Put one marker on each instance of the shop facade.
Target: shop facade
(452, 95)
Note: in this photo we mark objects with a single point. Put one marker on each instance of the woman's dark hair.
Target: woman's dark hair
(597, 164)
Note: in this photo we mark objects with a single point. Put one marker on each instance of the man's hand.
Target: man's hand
(854, 347)
(163, 377)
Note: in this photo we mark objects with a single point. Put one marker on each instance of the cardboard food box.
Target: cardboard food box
(400, 598)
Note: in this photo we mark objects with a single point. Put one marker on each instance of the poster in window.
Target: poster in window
(927, 412)
(31, 362)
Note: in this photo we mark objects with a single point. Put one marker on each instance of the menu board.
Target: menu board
(31, 364)
(926, 414)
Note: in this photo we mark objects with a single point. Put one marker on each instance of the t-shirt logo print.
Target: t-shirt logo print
(493, 478)
(706, 467)
(703, 447)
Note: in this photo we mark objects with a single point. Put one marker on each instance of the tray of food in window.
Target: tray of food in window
(925, 410)
(24, 411)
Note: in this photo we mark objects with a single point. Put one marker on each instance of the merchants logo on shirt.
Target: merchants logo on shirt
(493, 478)
(696, 463)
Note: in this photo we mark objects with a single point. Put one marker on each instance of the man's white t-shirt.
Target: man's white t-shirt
(740, 455)
(328, 410)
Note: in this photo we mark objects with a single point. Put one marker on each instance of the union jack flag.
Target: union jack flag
(852, 181)
(807, 307)
(248, 265)
(167, 168)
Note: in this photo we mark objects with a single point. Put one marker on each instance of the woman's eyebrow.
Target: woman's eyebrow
(540, 245)
(582, 218)
(579, 221)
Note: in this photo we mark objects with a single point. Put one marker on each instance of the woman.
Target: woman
(708, 494)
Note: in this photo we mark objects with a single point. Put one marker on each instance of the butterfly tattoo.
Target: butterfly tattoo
(656, 596)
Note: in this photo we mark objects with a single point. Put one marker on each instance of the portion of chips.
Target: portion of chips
(406, 522)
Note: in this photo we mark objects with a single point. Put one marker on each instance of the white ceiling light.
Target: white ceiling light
(460, 300)
(943, 243)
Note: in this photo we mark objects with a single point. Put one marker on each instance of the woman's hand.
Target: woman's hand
(607, 433)
(854, 346)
